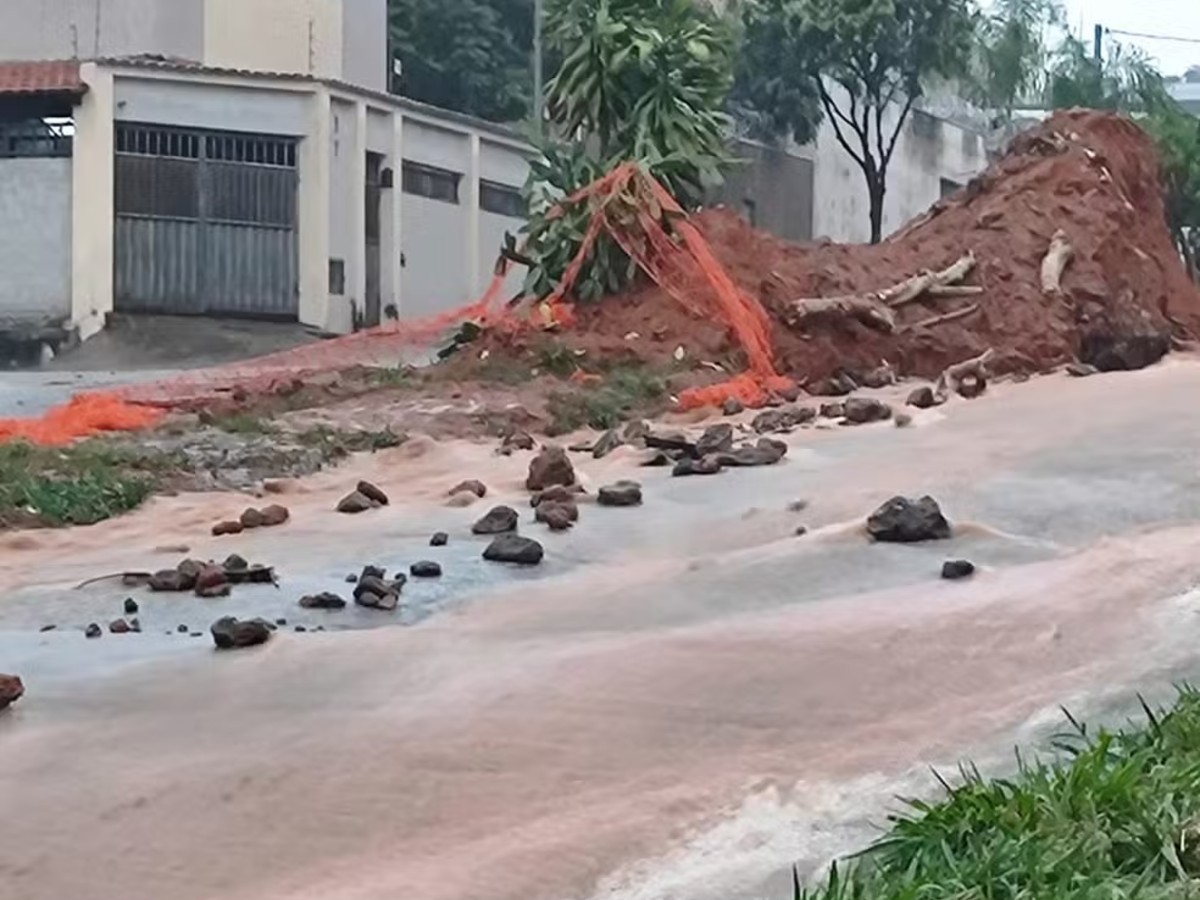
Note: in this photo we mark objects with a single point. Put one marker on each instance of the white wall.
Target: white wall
(195, 104)
(35, 239)
(88, 29)
(296, 36)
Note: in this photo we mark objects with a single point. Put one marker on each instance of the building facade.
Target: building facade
(242, 157)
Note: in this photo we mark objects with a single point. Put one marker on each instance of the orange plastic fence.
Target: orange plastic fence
(627, 204)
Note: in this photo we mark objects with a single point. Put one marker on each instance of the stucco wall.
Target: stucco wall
(344, 230)
(62, 29)
(436, 276)
(35, 238)
(771, 188)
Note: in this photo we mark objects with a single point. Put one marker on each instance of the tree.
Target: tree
(1178, 137)
(1125, 79)
(472, 56)
(640, 80)
(867, 61)
(1011, 55)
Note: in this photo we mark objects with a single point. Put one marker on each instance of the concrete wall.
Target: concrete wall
(771, 188)
(365, 43)
(64, 29)
(35, 239)
(344, 228)
(296, 36)
(194, 104)
(927, 151)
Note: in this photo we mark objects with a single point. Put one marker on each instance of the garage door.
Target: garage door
(205, 222)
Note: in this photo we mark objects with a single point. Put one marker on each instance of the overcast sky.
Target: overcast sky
(1178, 18)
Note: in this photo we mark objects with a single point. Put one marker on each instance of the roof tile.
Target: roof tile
(45, 76)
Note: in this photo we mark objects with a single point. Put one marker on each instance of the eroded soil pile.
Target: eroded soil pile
(1092, 175)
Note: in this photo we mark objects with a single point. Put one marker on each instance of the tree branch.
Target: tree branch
(834, 113)
(908, 104)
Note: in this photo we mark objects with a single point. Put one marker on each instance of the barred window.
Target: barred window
(501, 199)
(430, 181)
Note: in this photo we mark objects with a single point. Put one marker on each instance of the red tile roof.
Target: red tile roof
(44, 76)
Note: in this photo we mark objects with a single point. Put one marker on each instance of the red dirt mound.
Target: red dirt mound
(1092, 175)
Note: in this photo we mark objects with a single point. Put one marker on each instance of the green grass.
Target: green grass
(244, 423)
(1117, 817)
(623, 393)
(76, 485)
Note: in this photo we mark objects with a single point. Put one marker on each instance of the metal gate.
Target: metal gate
(205, 222)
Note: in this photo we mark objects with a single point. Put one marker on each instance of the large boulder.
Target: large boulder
(373, 592)
(905, 521)
(324, 600)
(549, 510)
(471, 486)
(355, 502)
(11, 690)
(510, 548)
(372, 493)
(607, 443)
(231, 634)
(716, 439)
(498, 520)
(551, 466)
(923, 397)
(709, 465)
(1123, 349)
(767, 452)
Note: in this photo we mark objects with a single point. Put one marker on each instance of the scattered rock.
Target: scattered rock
(789, 394)
(635, 432)
(658, 460)
(274, 515)
(558, 516)
(581, 447)
(709, 465)
(190, 569)
(251, 518)
(879, 377)
(905, 521)
(716, 439)
(171, 580)
(556, 494)
(834, 410)
(551, 466)
(511, 548)
(131, 606)
(1110, 351)
(517, 440)
(282, 623)
(608, 442)
(119, 626)
(373, 592)
(46, 628)
(354, 503)
(182, 629)
(923, 398)
(1081, 370)
(863, 410)
(733, 406)
(954, 569)
(439, 539)
(231, 634)
(425, 569)
(801, 530)
(256, 574)
(235, 563)
(135, 625)
(675, 444)
(838, 385)
(478, 488)
(372, 572)
(212, 582)
(351, 578)
(372, 493)
(903, 420)
(498, 520)
(93, 631)
(783, 419)
(224, 528)
(797, 506)
(324, 600)
(623, 493)
(12, 689)
(300, 629)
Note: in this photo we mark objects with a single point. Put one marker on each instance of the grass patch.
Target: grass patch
(243, 423)
(1117, 817)
(76, 485)
(336, 442)
(623, 394)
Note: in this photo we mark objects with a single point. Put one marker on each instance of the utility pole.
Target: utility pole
(1097, 42)
(538, 110)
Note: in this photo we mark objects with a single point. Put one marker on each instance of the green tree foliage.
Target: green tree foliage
(1011, 56)
(472, 56)
(867, 61)
(1178, 138)
(642, 80)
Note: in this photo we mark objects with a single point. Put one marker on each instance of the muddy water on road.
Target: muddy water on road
(682, 701)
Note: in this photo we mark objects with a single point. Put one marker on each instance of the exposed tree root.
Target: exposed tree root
(944, 317)
(875, 309)
(1055, 262)
(972, 370)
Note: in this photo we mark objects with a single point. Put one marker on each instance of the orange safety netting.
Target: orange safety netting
(627, 204)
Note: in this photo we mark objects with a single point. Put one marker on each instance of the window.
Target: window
(431, 182)
(501, 199)
(337, 277)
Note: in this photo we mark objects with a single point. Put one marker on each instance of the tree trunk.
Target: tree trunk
(875, 193)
